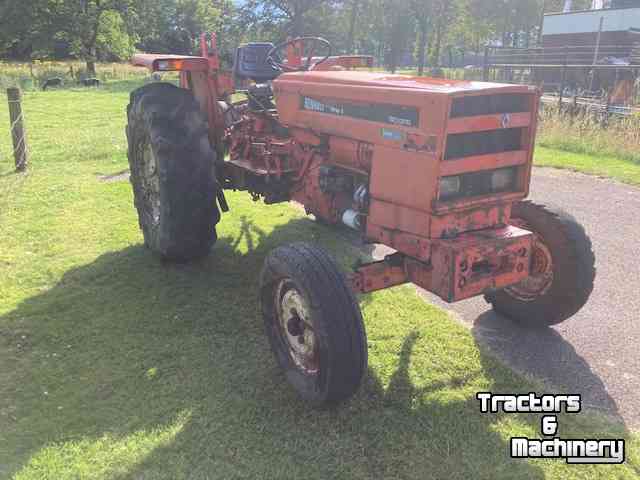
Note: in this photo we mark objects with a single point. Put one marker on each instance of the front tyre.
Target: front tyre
(172, 172)
(313, 323)
(562, 269)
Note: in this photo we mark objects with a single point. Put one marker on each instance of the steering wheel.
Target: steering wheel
(275, 61)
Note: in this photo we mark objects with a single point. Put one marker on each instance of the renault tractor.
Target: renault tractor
(437, 170)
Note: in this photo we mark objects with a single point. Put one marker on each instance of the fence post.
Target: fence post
(18, 134)
(485, 65)
(607, 107)
(563, 78)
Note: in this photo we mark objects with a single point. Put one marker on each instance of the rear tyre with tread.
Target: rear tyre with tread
(313, 323)
(562, 282)
(172, 172)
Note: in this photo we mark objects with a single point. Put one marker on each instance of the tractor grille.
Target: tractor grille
(460, 145)
(489, 105)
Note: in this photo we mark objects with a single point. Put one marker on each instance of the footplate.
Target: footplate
(471, 264)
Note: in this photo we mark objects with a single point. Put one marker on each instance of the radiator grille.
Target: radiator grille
(460, 145)
(489, 105)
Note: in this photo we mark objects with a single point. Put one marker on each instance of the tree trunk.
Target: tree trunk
(393, 60)
(91, 62)
(297, 22)
(352, 26)
(93, 54)
(437, 45)
(422, 42)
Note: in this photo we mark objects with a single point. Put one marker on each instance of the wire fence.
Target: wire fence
(604, 79)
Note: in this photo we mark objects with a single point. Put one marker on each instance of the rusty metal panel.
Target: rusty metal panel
(416, 246)
(450, 225)
(464, 267)
(477, 262)
(404, 177)
(396, 217)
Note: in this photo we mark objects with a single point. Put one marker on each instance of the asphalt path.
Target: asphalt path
(596, 352)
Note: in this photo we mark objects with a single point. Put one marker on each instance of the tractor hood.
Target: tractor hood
(398, 82)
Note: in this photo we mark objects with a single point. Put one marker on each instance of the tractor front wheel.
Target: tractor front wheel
(313, 323)
(562, 269)
(172, 172)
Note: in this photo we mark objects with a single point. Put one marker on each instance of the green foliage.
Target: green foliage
(104, 29)
(174, 26)
(398, 32)
(113, 40)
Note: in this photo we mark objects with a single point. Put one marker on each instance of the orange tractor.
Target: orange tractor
(435, 169)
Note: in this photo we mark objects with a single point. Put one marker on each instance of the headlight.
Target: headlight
(503, 179)
(449, 187)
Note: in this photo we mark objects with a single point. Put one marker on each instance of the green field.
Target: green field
(114, 365)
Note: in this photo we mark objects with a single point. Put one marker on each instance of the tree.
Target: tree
(353, 17)
(114, 40)
(422, 10)
(389, 29)
(80, 22)
(399, 29)
(443, 13)
(174, 26)
(27, 27)
(282, 17)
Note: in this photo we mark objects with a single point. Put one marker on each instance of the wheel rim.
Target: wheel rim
(295, 327)
(150, 184)
(540, 277)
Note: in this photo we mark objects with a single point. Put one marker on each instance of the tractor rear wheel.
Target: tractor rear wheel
(562, 269)
(313, 323)
(172, 172)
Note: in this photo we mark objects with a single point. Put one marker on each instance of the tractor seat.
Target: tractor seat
(251, 63)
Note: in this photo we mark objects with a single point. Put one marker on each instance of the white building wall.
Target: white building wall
(589, 21)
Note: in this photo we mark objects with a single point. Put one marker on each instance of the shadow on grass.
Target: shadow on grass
(10, 173)
(546, 355)
(128, 368)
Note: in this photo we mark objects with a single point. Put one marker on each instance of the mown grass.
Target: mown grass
(115, 365)
(601, 165)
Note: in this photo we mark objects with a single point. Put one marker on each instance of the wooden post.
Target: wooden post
(607, 107)
(563, 78)
(18, 134)
(541, 23)
(596, 53)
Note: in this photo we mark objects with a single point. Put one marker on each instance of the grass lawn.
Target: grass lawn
(113, 365)
(623, 170)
